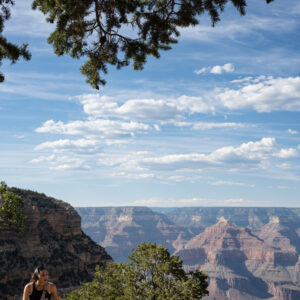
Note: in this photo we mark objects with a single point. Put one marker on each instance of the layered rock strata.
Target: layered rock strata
(241, 265)
(248, 253)
(52, 237)
(252, 217)
(121, 229)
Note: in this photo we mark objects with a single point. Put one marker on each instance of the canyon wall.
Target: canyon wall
(52, 237)
(121, 229)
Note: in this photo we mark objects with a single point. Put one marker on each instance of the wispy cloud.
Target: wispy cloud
(226, 68)
(136, 176)
(36, 25)
(174, 202)
(231, 183)
(62, 162)
(87, 145)
(234, 201)
(282, 187)
(249, 156)
(201, 71)
(92, 128)
(234, 29)
(209, 125)
(184, 178)
(95, 134)
(18, 136)
(109, 121)
(292, 132)
(194, 202)
(48, 86)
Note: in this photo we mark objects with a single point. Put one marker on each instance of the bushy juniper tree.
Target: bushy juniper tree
(152, 273)
(115, 32)
(11, 209)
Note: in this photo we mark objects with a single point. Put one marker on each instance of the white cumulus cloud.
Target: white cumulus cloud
(265, 94)
(226, 68)
(247, 156)
(287, 153)
(144, 109)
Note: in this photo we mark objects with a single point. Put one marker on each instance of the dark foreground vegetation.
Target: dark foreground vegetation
(11, 209)
(152, 273)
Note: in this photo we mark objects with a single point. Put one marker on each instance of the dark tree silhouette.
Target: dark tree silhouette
(114, 32)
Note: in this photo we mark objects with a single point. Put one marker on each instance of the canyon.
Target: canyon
(248, 253)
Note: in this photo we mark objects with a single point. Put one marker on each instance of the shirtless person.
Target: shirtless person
(39, 288)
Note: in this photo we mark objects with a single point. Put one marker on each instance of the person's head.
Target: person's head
(40, 274)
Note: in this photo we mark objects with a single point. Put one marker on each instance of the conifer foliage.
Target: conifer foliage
(114, 32)
(9, 50)
(152, 273)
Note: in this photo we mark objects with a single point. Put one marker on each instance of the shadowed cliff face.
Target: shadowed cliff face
(248, 253)
(52, 237)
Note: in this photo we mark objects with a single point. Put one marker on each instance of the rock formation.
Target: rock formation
(241, 265)
(248, 253)
(121, 229)
(52, 237)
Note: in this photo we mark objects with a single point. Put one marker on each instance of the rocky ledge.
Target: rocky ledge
(52, 237)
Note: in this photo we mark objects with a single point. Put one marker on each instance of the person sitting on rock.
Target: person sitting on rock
(39, 288)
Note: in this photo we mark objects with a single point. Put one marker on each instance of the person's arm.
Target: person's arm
(26, 292)
(53, 292)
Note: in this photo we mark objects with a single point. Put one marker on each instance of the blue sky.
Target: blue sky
(213, 122)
